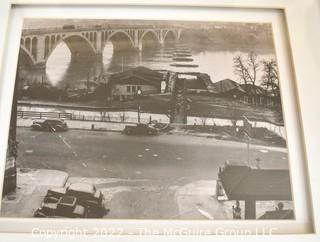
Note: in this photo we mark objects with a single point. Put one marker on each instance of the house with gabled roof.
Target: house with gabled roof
(125, 85)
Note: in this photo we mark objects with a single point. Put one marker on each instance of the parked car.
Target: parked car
(52, 125)
(140, 129)
(65, 207)
(87, 195)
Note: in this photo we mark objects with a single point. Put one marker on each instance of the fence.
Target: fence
(118, 117)
(40, 115)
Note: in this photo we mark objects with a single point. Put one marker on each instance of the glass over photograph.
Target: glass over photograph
(139, 119)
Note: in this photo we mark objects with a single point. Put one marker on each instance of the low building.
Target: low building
(246, 93)
(202, 83)
(244, 183)
(229, 89)
(125, 85)
(195, 82)
(254, 94)
(259, 96)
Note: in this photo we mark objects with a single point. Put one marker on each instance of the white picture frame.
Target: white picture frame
(299, 18)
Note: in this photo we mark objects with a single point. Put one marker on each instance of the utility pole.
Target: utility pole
(88, 76)
(247, 131)
(139, 92)
(10, 179)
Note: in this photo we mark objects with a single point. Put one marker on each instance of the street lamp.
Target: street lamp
(139, 92)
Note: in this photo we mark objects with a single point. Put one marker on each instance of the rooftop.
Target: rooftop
(82, 187)
(226, 85)
(139, 76)
(241, 182)
(253, 90)
(278, 214)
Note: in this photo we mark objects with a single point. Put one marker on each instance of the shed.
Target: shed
(242, 182)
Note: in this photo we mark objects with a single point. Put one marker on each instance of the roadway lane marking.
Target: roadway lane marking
(155, 155)
(84, 164)
(179, 158)
(29, 151)
(205, 213)
(65, 142)
(139, 156)
(68, 145)
(264, 151)
(146, 149)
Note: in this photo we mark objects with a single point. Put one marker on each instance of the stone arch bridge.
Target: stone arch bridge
(37, 45)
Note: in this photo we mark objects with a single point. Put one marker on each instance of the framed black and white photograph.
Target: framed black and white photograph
(168, 119)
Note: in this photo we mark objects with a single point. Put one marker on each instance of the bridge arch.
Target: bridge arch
(78, 44)
(148, 32)
(120, 39)
(150, 38)
(25, 57)
(34, 47)
(170, 33)
(27, 43)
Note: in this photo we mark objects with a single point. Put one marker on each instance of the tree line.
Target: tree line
(247, 68)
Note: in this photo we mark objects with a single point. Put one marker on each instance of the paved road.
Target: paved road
(166, 176)
(111, 154)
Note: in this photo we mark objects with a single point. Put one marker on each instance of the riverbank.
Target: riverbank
(200, 106)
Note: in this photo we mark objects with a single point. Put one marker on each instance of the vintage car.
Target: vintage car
(140, 129)
(65, 207)
(87, 195)
(52, 125)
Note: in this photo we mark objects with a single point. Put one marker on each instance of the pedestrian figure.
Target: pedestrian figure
(280, 206)
(92, 126)
(236, 211)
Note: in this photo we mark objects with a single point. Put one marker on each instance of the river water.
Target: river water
(217, 62)
(61, 72)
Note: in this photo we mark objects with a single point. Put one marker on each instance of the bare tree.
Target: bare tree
(253, 67)
(270, 79)
(240, 68)
(247, 68)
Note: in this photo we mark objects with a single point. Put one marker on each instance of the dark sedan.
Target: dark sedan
(140, 129)
(65, 207)
(51, 125)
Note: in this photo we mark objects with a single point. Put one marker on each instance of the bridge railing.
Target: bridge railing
(93, 28)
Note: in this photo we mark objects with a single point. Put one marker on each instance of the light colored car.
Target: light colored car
(86, 194)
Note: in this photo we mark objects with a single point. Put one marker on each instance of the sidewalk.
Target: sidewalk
(130, 198)
(32, 185)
